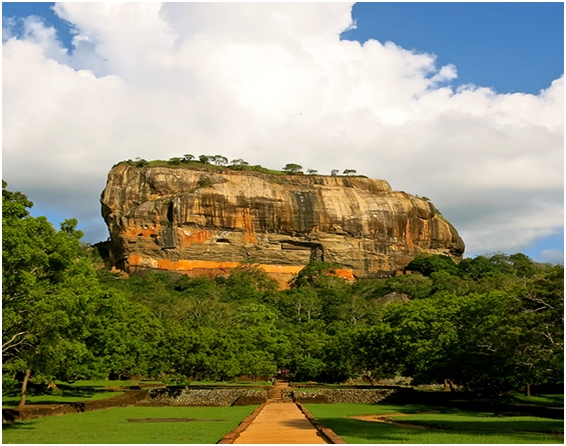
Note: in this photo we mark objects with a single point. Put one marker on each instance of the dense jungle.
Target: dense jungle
(488, 324)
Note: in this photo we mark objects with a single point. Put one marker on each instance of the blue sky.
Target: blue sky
(510, 175)
(508, 46)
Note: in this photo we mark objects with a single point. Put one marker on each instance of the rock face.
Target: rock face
(210, 221)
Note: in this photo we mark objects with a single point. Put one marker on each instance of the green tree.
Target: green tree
(338, 355)
(238, 164)
(247, 283)
(292, 168)
(123, 338)
(256, 331)
(219, 160)
(426, 265)
(374, 352)
(302, 304)
(349, 172)
(48, 289)
(140, 162)
(417, 287)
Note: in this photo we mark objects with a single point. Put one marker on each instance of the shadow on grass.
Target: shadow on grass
(375, 432)
(68, 395)
(508, 424)
(540, 400)
(18, 425)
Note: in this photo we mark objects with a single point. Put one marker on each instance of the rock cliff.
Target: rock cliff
(209, 221)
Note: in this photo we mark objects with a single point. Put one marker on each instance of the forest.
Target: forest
(487, 324)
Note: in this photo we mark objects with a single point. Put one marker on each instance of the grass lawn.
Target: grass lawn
(95, 390)
(541, 400)
(66, 393)
(59, 397)
(112, 426)
(450, 426)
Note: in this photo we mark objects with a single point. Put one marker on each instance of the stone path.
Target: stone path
(280, 423)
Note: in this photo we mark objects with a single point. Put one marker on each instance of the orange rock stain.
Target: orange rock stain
(244, 221)
(409, 237)
(197, 237)
(140, 232)
(210, 268)
(347, 274)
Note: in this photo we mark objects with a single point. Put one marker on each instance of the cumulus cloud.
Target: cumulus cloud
(273, 83)
(553, 256)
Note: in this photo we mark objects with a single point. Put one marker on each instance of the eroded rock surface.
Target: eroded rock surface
(209, 222)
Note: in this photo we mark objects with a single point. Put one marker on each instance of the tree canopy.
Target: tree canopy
(491, 323)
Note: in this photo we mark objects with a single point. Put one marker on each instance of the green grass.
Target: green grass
(65, 392)
(59, 397)
(101, 384)
(92, 390)
(556, 400)
(112, 426)
(451, 426)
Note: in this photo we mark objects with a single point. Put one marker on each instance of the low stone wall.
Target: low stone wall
(206, 397)
(342, 395)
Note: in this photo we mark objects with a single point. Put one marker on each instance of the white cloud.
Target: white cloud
(272, 83)
(553, 256)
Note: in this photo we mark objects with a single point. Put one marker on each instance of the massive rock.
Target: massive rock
(210, 221)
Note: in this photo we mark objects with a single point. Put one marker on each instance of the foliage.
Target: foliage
(489, 324)
(292, 168)
(48, 289)
(434, 263)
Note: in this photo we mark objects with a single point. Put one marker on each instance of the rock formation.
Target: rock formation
(209, 221)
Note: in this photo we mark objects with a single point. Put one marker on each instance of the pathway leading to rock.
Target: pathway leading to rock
(280, 422)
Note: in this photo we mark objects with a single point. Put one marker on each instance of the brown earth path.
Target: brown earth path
(280, 422)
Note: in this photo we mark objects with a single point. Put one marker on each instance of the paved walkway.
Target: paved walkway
(280, 423)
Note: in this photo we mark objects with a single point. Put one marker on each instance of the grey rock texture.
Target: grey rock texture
(366, 396)
(205, 397)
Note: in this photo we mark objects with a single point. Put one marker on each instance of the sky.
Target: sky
(459, 102)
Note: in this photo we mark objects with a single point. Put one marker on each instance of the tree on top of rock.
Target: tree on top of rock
(292, 168)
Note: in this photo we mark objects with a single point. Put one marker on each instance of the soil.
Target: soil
(385, 418)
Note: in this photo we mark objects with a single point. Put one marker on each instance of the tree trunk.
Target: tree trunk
(24, 388)
(528, 390)
(451, 384)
